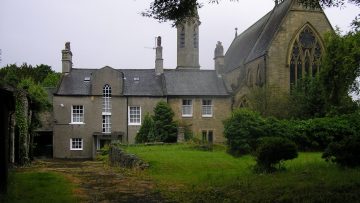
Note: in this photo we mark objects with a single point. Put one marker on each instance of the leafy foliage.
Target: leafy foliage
(307, 99)
(272, 151)
(178, 10)
(242, 130)
(173, 10)
(51, 80)
(13, 74)
(147, 131)
(165, 127)
(31, 99)
(345, 153)
(340, 68)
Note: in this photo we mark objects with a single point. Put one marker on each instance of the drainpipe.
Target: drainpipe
(127, 119)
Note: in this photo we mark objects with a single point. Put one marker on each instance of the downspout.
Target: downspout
(265, 79)
(127, 119)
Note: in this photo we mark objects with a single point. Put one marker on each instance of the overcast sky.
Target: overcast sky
(113, 33)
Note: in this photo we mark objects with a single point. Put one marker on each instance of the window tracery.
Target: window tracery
(305, 55)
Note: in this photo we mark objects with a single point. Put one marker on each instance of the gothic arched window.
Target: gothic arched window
(107, 98)
(305, 55)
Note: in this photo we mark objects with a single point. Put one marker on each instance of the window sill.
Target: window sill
(187, 116)
(134, 124)
(77, 123)
(207, 116)
(76, 149)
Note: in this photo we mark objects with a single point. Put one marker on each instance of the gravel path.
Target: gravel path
(98, 182)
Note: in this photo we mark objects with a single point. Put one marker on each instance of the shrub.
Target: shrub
(242, 130)
(345, 153)
(165, 127)
(146, 132)
(274, 150)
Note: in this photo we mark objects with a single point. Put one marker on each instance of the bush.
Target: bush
(345, 153)
(146, 132)
(242, 130)
(165, 127)
(274, 150)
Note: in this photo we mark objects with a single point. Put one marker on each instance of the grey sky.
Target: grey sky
(113, 33)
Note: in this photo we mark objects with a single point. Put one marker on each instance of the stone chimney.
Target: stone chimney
(159, 61)
(66, 59)
(219, 58)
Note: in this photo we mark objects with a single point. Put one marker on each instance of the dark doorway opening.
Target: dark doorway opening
(43, 145)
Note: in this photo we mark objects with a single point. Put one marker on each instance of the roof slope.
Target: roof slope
(148, 84)
(254, 41)
(194, 83)
(74, 84)
(144, 82)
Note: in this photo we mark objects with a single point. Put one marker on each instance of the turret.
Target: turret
(66, 59)
(188, 43)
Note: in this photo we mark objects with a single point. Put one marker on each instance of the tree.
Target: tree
(31, 99)
(51, 80)
(307, 98)
(242, 130)
(165, 127)
(147, 131)
(178, 10)
(339, 69)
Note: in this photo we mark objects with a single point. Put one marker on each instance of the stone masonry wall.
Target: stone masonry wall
(119, 157)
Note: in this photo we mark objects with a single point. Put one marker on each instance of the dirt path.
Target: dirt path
(97, 182)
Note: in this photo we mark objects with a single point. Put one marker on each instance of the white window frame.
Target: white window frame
(106, 124)
(206, 108)
(106, 108)
(78, 144)
(130, 121)
(183, 113)
(81, 115)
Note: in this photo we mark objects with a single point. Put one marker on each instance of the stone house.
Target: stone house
(93, 107)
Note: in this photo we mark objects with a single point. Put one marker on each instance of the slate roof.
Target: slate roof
(254, 41)
(74, 84)
(194, 83)
(172, 82)
(149, 84)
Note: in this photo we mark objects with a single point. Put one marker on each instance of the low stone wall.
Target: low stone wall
(119, 157)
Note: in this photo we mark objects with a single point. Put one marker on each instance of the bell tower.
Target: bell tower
(188, 43)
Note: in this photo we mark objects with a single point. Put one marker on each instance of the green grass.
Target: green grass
(38, 187)
(188, 175)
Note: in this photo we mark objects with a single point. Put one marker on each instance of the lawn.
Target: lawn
(38, 187)
(186, 174)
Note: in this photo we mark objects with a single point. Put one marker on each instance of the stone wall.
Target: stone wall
(119, 157)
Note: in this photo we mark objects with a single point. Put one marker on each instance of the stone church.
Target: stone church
(93, 107)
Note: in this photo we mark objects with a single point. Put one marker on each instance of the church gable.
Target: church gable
(301, 31)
